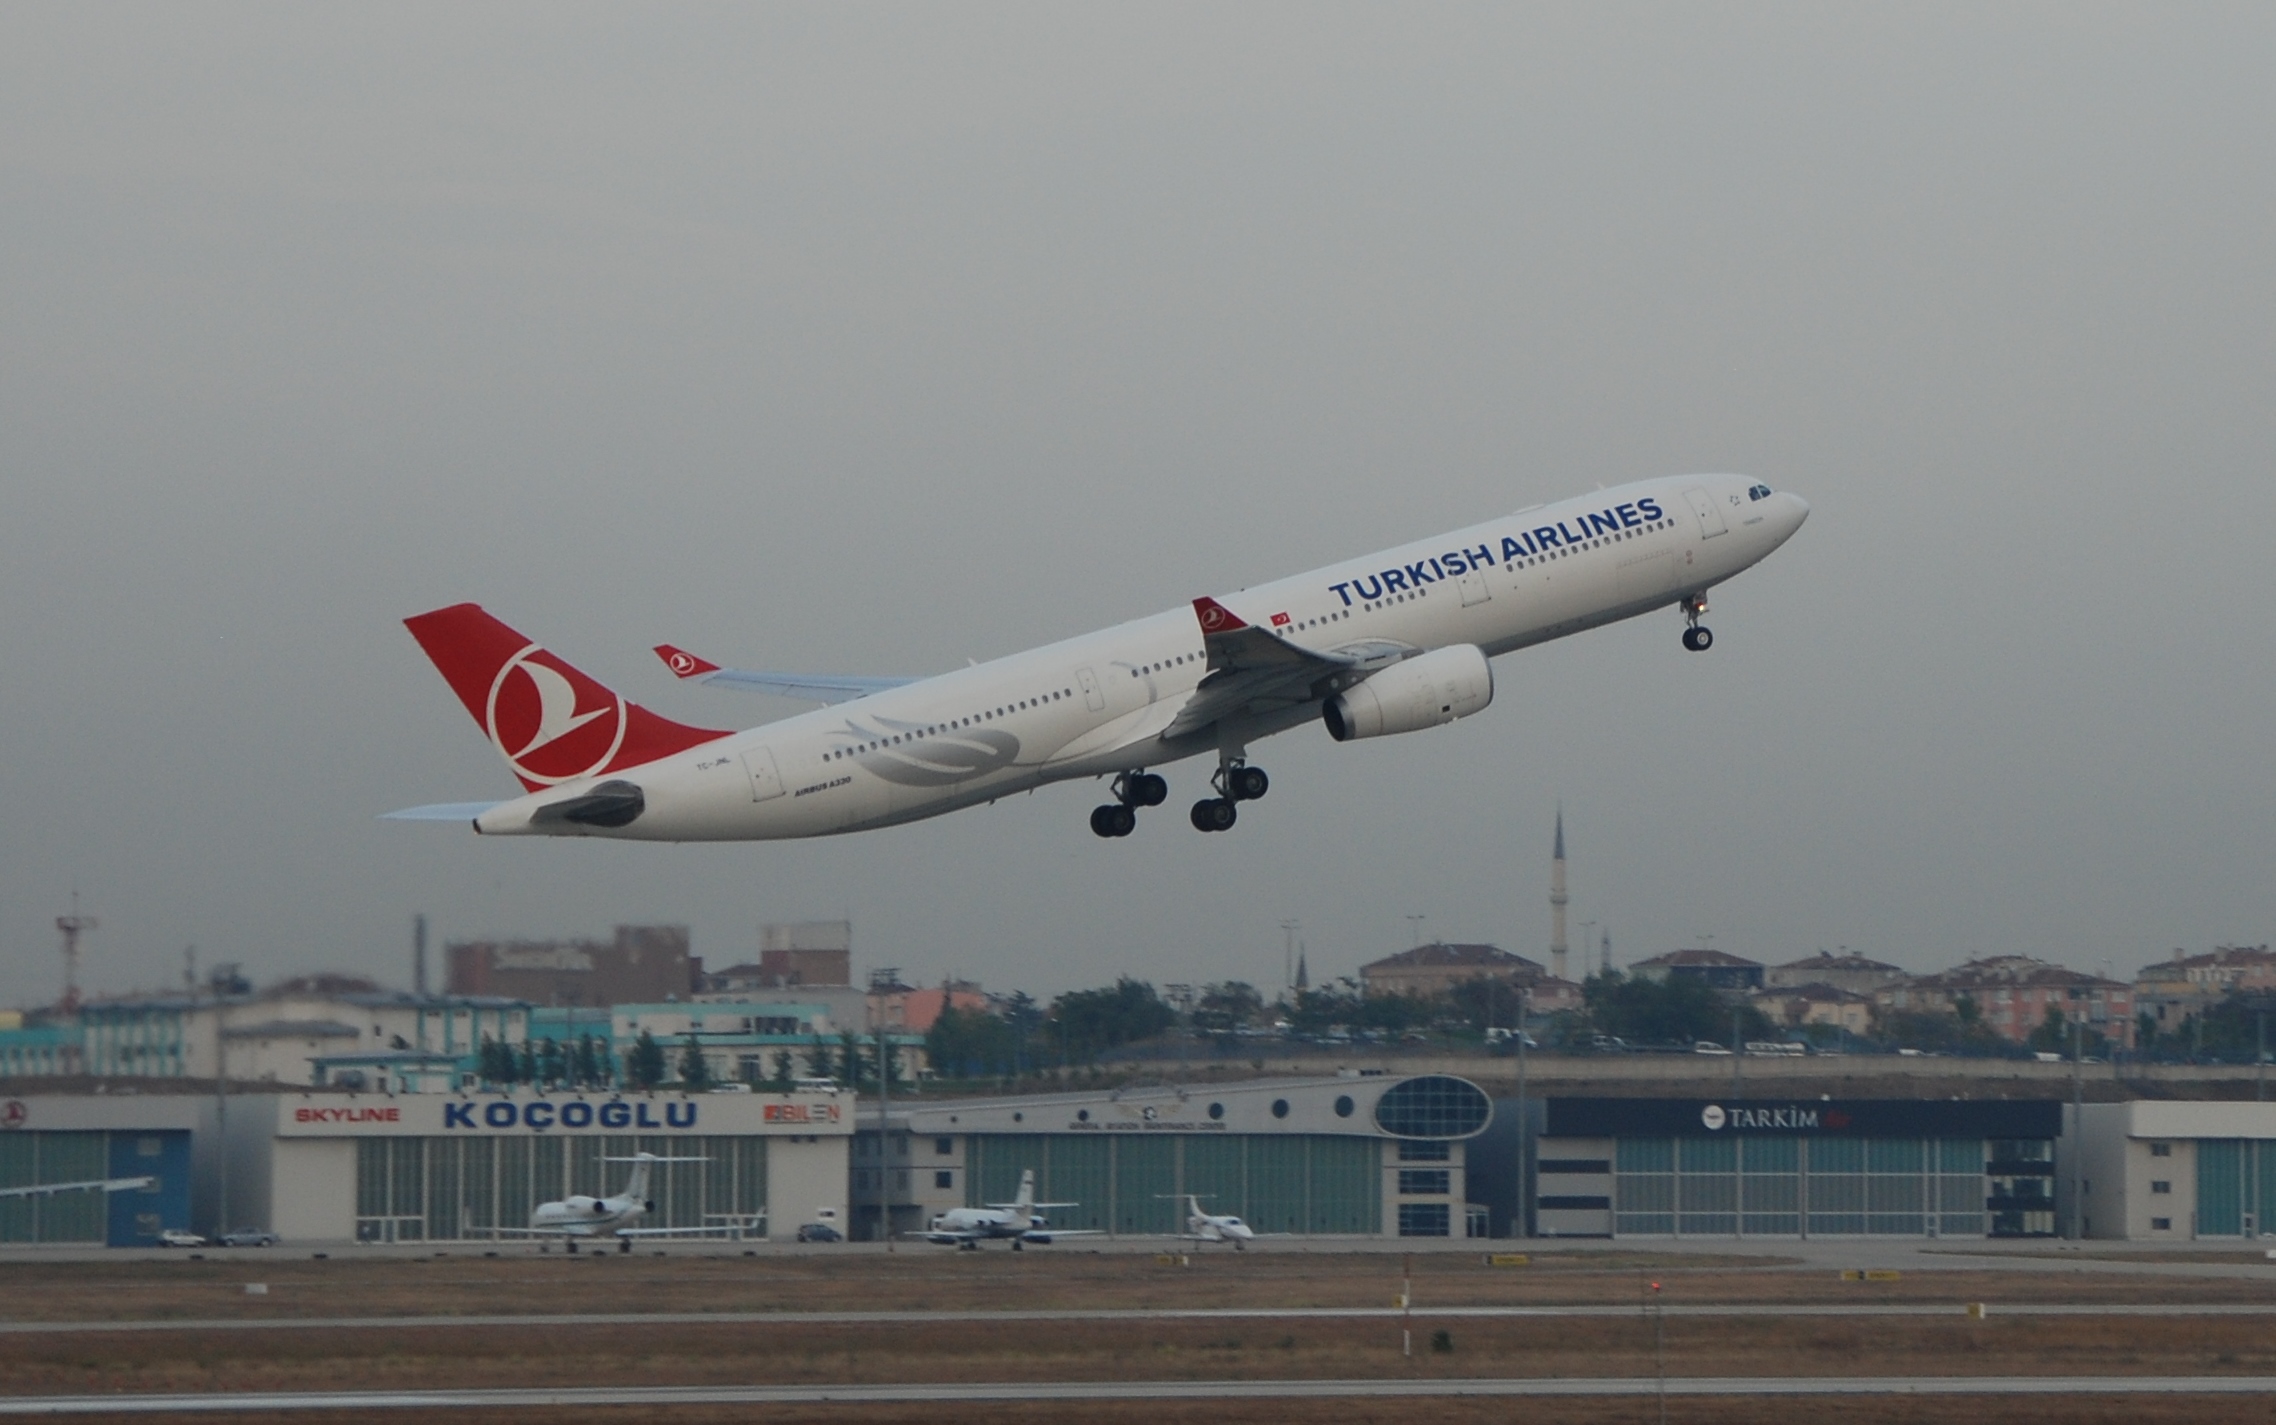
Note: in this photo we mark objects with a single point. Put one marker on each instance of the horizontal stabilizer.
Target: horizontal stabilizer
(441, 811)
(806, 687)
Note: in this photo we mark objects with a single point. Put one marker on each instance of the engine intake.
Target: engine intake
(1424, 691)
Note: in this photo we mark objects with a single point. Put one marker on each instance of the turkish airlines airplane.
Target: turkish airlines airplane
(1389, 643)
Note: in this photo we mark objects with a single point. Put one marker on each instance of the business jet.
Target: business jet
(577, 1219)
(1018, 1221)
(1215, 1227)
(1390, 643)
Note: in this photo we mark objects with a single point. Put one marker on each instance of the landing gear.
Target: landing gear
(624, 1245)
(1017, 1244)
(569, 1245)
(1235, 781)
(1214, 814)
(1131, 791)
(1698, 637)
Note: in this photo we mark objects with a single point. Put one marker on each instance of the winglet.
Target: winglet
(1215, 617)
(683, 663)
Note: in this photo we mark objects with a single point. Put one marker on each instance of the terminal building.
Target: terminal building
(1607, 1167)
(1372, 1156)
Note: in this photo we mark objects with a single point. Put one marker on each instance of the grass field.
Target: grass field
(428, 1354)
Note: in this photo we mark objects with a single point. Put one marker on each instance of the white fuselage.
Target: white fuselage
(992, 1223)
(1100, 704)
(589, 1216)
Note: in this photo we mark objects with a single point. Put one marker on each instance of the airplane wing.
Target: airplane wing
(440, 811)
(720, 1231)
(1047, 1234)
(807, 687)
(90, 1185)
(544, 1231)
(1253, 671)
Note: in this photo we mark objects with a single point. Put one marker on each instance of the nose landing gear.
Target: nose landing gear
(1131, 790)
(1698, 637)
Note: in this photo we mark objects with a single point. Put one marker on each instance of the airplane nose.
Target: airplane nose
(1797, 510)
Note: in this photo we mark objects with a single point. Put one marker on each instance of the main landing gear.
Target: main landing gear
(1698, 637)
(1131, 791)
(1235, 782)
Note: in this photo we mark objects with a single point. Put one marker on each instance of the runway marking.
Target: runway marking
(1123, 1314)
(1128, 1390)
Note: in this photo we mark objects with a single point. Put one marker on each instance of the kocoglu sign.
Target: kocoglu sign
(450, 1115)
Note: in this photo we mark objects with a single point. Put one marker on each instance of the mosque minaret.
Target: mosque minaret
(1557, 947)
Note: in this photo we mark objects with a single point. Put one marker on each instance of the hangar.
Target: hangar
(1366, 1155)
(1609, 1167)
(60, 1138)
(432, 1167)
(2173, 1172)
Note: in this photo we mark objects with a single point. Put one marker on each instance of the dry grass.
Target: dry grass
(467, 1284)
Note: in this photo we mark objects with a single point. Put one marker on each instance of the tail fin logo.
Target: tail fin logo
(550, 722)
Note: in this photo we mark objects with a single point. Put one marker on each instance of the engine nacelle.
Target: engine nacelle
(1420, 692)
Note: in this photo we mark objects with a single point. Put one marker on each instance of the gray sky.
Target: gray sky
(872, 339)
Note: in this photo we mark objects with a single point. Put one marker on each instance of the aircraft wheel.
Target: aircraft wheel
(1018, 1245)
(1214, 814)
(624, 1245)
(1249, 783)
(1699, 639)
(1102, 820)
(1149, 790)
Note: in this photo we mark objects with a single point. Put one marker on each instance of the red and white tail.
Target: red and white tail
(550, 722)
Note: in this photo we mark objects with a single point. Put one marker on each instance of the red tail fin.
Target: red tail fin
(550, 722)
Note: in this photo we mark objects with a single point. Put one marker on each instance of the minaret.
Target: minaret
(1557, 903)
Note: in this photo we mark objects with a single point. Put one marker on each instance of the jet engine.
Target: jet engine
(1424, 691)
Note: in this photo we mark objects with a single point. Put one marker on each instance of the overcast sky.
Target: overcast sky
(873, 339)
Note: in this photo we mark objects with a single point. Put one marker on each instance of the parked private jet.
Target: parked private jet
(1389, 643)
(1215, 1227)
(578, 1219)
(1018, 1221)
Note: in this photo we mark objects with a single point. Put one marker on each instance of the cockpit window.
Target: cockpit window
(1759, 492)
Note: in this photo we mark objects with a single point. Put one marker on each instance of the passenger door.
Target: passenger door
(1710, 517)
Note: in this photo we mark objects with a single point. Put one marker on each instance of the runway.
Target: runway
(1132, 1314)
(660, 1396)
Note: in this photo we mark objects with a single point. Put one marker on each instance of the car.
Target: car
(820, 1232)
(1709, 1046)
(176, 1237)
(1608, 1044)
(247, 1237)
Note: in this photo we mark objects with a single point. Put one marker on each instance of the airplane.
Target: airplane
(577, 1219)
(1390, 643)
(1214, 1227)
(966, 1228)
(102, 1185)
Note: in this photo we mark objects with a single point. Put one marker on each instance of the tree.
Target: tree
(644, 1062)
(1085, 1022)
(971, 1044)
(821, 1060)
(850, 1066)
(2053, 1036)
(695, 1066)
(551, 1069)
(1676, 1010)
(1226, 1007)
(494, 1062)
(586, 1064)
(784, 1071)
(525, 1067)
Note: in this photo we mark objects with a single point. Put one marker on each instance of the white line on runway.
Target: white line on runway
(1121, 1314)
(1128, 1390)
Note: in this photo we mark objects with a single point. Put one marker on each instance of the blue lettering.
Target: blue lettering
(1629, 517)
(616, 1115)
(498, 1115)
(1651, 509)
(1366, 593)
(1415, 573)
(1603, 524)
(1456, 563)
(1570, 537)
(1394, 580)
(1481, 557)
(1436, 568)
(458, 1115)
(1341, 590)
(646, 1119)
(1547, 538)
(577, 1115)
(538, 1115)
(673, 1114)
(1511, 550)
